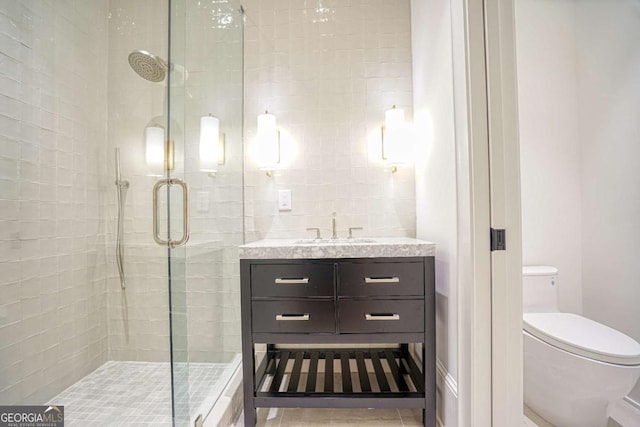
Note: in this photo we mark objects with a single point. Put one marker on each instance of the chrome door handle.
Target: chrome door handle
(382, 317)
(292, 316)
(185, 212)
(381, 280)
(292, 281)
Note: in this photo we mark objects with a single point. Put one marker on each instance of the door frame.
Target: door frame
(490, 299)
(474, 282)
(504, 167)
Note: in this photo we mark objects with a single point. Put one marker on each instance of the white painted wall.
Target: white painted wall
(436, 187)
(550, 146)
(579, 91)
(609, 106)
(328, 71)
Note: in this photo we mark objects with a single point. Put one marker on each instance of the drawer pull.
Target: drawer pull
(381, 280)
(292, 281)
(292, 316)
(382, 317)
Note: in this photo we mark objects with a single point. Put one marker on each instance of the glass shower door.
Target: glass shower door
(205, 130)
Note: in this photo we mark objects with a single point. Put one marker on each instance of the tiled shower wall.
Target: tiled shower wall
(205, 273)
(328, 70)
(138, 316)
(214, 59)
(53, 73)
(68, 98)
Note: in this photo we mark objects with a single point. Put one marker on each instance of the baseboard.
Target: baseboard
(625, 413)
(446, 378)
(447, 397)
(632, 402)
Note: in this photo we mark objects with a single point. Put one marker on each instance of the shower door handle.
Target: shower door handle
(185, 212)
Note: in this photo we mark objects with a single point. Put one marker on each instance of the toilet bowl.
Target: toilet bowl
(574, 367)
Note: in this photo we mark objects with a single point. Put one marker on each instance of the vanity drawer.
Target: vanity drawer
(380, 316)
(292, 280)
(293, 316)
(381, 278)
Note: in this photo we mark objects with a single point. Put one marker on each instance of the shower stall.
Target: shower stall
(119, 281)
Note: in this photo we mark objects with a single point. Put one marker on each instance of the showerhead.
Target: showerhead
(148, 66)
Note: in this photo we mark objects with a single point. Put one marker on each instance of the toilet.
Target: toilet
(574, 367)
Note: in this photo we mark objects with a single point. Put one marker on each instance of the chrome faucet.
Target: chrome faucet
(333, 227)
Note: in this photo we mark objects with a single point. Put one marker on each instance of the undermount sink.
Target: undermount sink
(342, 240)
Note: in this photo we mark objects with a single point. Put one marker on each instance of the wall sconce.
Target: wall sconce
(158, 150)
(211, 145)
(267, 150)
(396, 140)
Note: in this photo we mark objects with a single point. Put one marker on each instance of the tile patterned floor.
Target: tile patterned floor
(138, 393)
(336, 417)
(342, 417)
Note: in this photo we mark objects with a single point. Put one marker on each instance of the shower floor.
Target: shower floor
(139, 393)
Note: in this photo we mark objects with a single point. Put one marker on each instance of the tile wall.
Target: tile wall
(53, 71)
(328, 70)
(68, 98)
(214, 58)
(205, 273)
(138, 317)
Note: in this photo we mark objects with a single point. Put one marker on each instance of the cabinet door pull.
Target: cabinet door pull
(381, 280)
(292, 316)
(382, 316)
(292, 281)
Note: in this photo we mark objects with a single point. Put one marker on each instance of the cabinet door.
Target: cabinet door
(293, 316)
(380, 279)
(357, 316)
(292, 280)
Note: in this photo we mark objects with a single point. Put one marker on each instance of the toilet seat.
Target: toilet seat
(579, 335)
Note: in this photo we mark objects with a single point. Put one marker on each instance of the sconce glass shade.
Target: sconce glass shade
(268, 144)
(155, 150)
(209, 143)
(397, 138)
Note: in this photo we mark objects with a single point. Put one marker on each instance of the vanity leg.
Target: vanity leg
(250, 416)
(248, 349)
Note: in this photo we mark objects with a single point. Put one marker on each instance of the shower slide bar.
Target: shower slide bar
(121, 188)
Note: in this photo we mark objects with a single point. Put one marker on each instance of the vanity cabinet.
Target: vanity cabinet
(333, 302)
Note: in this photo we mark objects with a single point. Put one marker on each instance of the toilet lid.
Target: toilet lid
(584, 337)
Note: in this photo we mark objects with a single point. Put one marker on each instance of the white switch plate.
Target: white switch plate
(284, 200)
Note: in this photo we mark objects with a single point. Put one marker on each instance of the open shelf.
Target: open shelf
(365, 373)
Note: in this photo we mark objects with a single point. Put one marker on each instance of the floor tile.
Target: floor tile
(138, 393)
(411, 417)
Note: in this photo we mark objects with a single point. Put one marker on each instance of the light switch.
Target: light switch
(284, 200)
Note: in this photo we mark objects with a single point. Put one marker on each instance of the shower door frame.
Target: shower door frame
(179, 254)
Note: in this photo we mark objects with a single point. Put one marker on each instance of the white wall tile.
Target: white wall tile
(329, 86)
(39, 306)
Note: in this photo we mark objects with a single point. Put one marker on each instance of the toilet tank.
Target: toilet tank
(539, 289)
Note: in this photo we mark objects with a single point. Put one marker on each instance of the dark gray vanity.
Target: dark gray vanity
(332, 294)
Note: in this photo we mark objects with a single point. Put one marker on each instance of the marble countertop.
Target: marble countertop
(380, 247)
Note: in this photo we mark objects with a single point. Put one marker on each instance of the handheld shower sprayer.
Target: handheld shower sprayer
(121, 188)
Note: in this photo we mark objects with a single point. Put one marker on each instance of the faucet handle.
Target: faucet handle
(317, 231)
(351, 231)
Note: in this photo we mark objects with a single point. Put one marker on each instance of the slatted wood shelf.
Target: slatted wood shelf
(365, 373)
